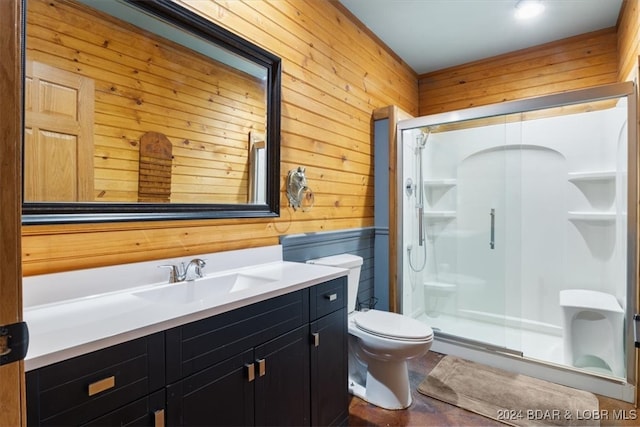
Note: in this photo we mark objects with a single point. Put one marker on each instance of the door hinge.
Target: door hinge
(14, 342)
(636, 329)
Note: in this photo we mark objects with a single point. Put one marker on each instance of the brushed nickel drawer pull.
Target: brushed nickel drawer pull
(262, 367)
(102, 385)
(332, 297)
(251, 371)
(316, 338)
(158, 418)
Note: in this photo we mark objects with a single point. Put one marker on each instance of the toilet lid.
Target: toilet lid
(392, 325)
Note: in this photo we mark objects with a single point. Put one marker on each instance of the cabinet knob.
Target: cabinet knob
(262, 369)
(316, 338)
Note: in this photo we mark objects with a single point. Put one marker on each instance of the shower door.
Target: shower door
(519, 207)
(461, 281)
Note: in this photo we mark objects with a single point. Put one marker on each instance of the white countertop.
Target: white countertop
(73, 313)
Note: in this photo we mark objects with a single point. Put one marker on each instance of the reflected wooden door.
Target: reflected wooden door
(59, 113)
(12, 374)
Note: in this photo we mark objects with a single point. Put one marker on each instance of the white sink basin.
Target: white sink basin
(202, 289)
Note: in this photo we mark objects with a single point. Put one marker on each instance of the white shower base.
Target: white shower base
(542, 354)
(537, 345)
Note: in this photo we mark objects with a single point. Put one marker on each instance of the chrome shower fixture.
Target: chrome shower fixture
(422, 142)
(409, 186)
(423, 138)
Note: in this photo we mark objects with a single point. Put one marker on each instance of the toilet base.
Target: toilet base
(387, 385)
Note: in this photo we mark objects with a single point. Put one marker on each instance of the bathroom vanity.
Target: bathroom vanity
(275, 353)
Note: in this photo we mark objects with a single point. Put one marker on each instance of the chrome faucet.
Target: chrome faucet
(180, 273)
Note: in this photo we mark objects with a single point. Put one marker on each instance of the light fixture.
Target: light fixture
(527, 9)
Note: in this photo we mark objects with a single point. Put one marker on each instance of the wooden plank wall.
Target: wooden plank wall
(574, 63)
(334, 75)
(144, 83)
(628, 40)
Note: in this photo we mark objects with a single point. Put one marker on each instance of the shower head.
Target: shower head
(423, 137)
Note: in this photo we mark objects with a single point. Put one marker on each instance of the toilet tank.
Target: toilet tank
(351, 262)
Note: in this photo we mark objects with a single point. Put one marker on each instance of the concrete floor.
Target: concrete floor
(426, 411)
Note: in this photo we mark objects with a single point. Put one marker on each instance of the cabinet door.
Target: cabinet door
(282, 380)
(329, 370)
(148, 412)
(204, 343)
(221, 395)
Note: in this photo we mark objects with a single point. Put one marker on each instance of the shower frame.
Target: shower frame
(599, 93)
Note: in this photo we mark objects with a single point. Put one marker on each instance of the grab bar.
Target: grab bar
(492, 242)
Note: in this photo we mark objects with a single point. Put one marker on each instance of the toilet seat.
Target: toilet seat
(392, 326)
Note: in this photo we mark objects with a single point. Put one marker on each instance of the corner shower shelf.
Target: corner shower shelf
(599, 187)
(439, 215)
(592, 176)
(436, 188)
(599, 217)
(439, 289)
(440, 182)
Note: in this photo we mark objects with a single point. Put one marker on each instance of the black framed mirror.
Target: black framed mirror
(141, 110)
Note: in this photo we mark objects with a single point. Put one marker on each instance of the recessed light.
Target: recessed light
(527, 9)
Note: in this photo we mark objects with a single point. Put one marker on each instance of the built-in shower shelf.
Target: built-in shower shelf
(437, 189)
(601, 217)
(440, 182)
(599, 187)
(440, 215)
(436, 288)
(592, 176)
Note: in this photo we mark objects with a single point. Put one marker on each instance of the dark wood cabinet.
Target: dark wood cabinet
(278, 362)
(79, 390)
(329, 396)
(263, 386)
(146, 412)
(329, 354)
(282, 386)
(258, 359)
(220, 395)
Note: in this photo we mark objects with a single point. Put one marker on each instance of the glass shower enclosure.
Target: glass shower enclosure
(518, 228)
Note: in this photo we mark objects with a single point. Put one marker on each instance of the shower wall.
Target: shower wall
(555, 188)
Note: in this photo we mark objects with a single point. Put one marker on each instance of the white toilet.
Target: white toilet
(593, 331)
(380, 343)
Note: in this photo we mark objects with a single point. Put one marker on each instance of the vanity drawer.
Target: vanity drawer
(148, 411)
(78, 390)
(328, 297)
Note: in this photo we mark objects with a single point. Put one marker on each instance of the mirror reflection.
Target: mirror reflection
(151, 113)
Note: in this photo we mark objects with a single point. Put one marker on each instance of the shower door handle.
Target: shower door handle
(492, 241)
(420, 225)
